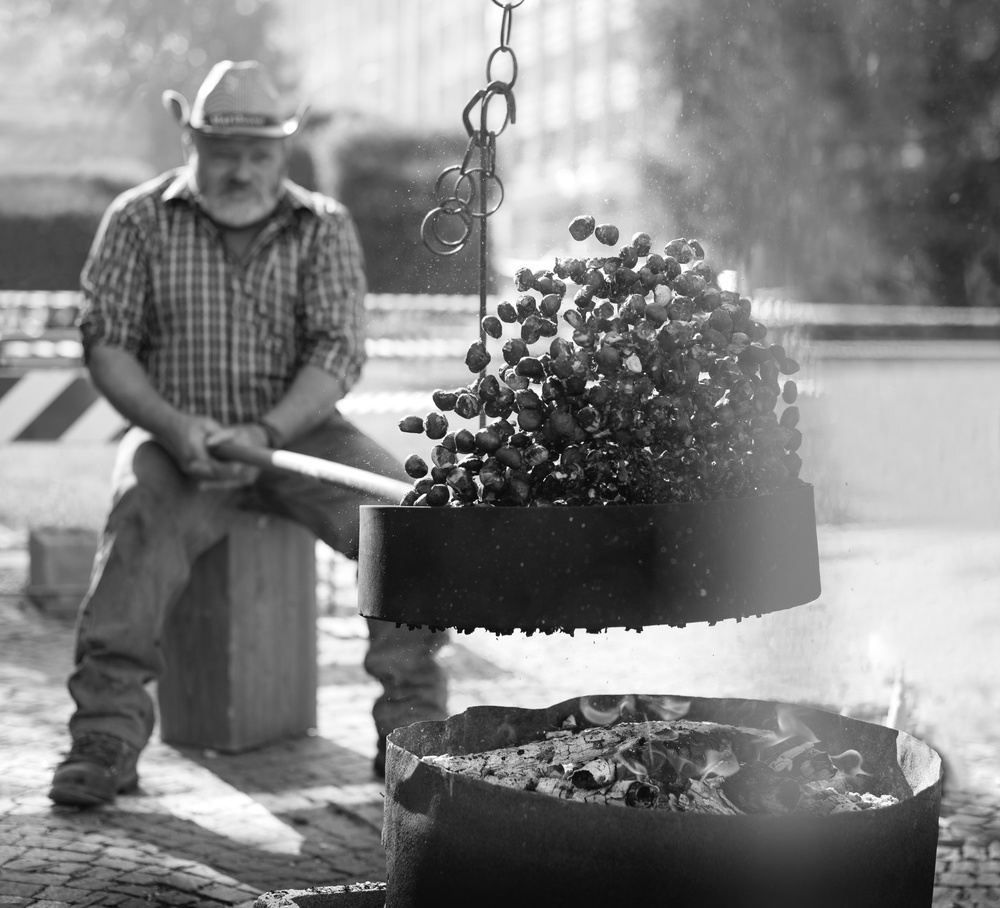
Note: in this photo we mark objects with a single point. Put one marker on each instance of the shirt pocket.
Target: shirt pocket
(272, 314)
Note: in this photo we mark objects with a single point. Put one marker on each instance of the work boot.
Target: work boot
(97, 768)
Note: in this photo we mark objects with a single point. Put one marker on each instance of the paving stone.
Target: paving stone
(10, 852)
(964, 866)
(68, 894)
(184, 881)
(228, 894)
(47, 855)
(95, 900)
(25, 889)
(116, 898)
(98, 873)
(175, 897)
(974, 852)
(979, 810)
(118, 864)
(968, 819)
(90, 883)
(31, 875)
(956, 879)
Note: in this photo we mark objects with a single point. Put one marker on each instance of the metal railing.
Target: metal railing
(37, 327)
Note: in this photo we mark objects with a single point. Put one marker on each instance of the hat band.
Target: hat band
(224, 120)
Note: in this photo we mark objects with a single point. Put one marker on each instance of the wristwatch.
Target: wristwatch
(273, 433)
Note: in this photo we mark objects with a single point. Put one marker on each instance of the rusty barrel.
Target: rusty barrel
(566, 568)
(455, 840)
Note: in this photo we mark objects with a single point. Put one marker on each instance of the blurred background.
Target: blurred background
(841, 157)
(844, 151)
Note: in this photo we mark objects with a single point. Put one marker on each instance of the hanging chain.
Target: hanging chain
(472, 191)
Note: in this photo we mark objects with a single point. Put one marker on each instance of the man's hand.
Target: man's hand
(191, 439)
(248, 435)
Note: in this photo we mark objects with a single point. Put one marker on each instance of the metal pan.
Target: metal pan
(569, 568)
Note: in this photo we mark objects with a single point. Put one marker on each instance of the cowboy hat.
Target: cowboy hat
(236, 99)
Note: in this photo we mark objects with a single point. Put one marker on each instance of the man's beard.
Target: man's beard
(239, 208)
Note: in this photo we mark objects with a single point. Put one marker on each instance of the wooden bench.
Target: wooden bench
(240, 644)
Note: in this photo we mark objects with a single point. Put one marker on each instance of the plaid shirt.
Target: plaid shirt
(218, 337)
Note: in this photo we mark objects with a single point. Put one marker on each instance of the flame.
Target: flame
(850, 763)
(668, 708)
(654, 758)
(680, 765)
(792, 727)
(720, 764)
(597, 716)
(633, 765)
(665, 708)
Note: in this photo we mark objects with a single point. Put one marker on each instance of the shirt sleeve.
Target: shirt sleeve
(114, 282)
(334, 302)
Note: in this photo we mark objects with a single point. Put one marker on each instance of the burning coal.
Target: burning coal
(679, 765)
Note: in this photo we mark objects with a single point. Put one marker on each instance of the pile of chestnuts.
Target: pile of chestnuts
(657, 387)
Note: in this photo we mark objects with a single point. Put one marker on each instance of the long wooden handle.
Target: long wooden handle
(326, 471)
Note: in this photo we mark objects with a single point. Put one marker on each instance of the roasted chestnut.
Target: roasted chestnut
(435, 425)
(606, 234)
(664, 390)
(413, 424)
(581, 227)
(415, 466)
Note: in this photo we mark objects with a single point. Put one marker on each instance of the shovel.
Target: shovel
(325, 471)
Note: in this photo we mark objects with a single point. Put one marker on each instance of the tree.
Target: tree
(92, 72)
(122, 54)
(847, 149)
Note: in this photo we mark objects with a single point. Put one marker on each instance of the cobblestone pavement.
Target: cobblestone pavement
(219, 830)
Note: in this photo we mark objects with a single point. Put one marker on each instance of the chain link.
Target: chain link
(470, 192)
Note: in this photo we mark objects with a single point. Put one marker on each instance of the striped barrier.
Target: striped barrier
(44, 352)
(36, 327)
(62, 405)
(49, 404)
(46, 394)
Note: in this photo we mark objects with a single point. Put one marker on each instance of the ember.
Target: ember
(678, 765)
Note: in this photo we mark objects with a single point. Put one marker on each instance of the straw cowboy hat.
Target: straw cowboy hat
(236, 99)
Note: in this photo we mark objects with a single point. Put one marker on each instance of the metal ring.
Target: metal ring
(511, 4)
(462, 175)
(513, 62)
(506, 21)
(497, 88)
(483, 98)
(485, 175)
(463, 214)
(454, 205)
(478, 96)
(429, 232)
